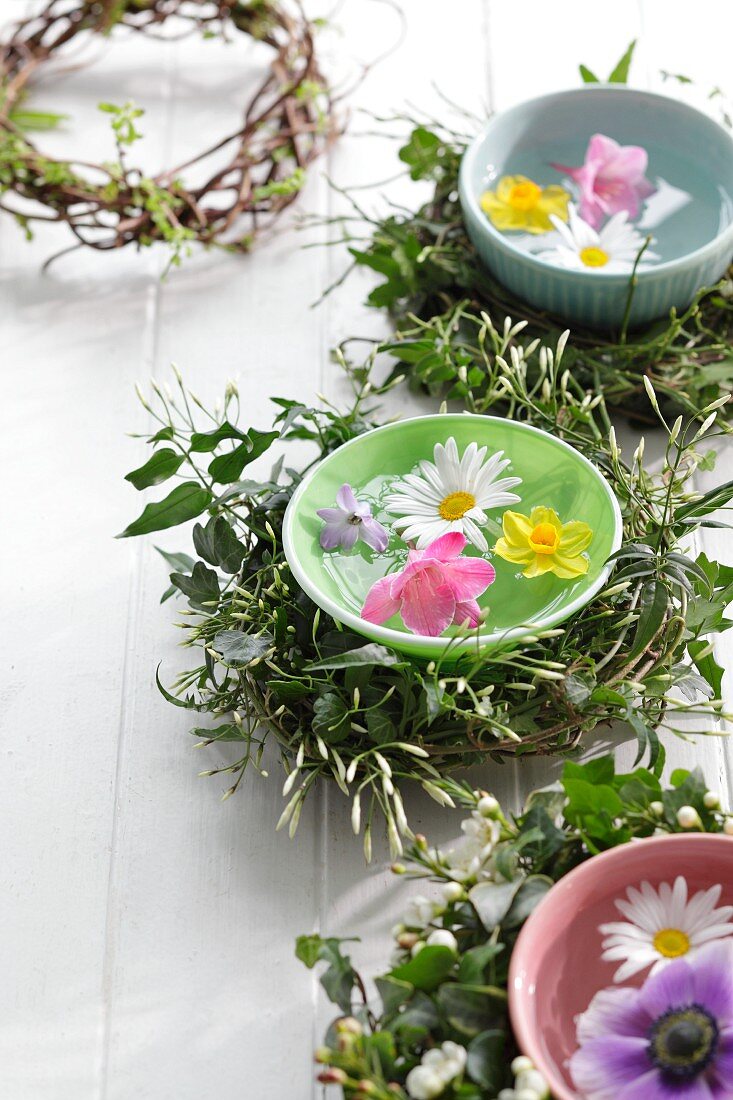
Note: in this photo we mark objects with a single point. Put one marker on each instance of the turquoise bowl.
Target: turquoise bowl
(690, 217)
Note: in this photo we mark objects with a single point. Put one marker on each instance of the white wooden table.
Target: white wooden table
(146, 946)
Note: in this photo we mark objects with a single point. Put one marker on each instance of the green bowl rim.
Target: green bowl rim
(434, 647)
(506, 245)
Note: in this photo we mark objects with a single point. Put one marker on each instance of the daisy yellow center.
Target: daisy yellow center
(594, 257)
(524, 196)
(544, 539)
(456, 505)
(671, 942)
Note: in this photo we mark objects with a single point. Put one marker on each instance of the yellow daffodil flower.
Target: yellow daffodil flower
(518, 203)
(542, 544)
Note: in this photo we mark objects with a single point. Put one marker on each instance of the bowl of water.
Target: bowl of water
(664, 215)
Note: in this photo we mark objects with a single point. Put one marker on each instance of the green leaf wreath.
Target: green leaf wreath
(268, 664)
(445, 989)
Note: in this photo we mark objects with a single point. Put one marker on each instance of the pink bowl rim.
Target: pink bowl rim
(523, 1030)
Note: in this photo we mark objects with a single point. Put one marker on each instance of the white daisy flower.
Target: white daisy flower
(662, 925)
(612, 249)
(451, 494)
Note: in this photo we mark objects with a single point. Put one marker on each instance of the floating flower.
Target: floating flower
(437, 587)
(351, 520)
(613, 249)
(611, 179)
(451, 495)
(543, 544)
(663, 924)
(670, 1040)
(438, 1069)
(518, 203)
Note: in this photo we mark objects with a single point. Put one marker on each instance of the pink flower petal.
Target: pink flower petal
(469, 577)
(446, 547)
(380, 605)
(428, 605)
(602, 148)
(467, 611)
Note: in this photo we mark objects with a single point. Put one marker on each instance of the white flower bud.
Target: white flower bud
(521, 1064)
(728, 826)
(657, 808)
(688, 817)
(452, 891)
(711, 800)
(441, 937)
(488, 806)
(417, 948)
(532, 1081)
(423, 1083)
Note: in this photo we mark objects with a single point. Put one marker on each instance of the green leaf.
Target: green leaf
(587, 76)
(218, 544)
(486, 1062)
(331, 717)
(237, 648)
(201, 442)
(653, 608)
(228, 467)
(707, 666)
(421, 153)
(338, 980)
(182, 563)
(474, 962)
(471, 1009)
(620, 73)
(527, 898)
(393, 992)
(371, 654)
(427, 969)
(492, 901)
(185, 502)
(160, 466)
(201, 587)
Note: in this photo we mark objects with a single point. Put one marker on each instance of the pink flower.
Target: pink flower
(610, 180)
(437, 587)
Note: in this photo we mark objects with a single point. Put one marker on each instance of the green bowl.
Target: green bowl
(553, 474)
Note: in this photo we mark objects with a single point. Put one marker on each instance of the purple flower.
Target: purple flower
(670, 1040)
(350, 521)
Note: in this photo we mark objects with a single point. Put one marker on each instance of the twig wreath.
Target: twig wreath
(270, 664)
(107, 205)
(440, 1025)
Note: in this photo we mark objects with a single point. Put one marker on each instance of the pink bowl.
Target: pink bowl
(556, 966)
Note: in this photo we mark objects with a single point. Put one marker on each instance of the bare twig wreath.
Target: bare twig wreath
(288, 123)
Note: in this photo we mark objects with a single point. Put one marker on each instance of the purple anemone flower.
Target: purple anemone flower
(670, 1040)
(350, 521)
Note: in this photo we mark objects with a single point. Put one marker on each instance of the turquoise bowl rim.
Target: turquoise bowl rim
(436, 647)
(504, 243)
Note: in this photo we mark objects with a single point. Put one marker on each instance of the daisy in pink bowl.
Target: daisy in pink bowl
(436, 588)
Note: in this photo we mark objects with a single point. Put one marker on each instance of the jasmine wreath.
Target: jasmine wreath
(440, 1025)
(269, 664)
(253, 173)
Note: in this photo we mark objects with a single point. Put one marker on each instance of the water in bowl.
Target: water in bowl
(688, 209)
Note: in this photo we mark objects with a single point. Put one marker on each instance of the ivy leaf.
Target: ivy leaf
(237, 648)
(471, 1009)
(654, 602)
(707, 666)
(201, 587)
(201, 442)
(160, 466)
(331, 717)
(217, 544)
(185, 502)
(620, 73)
(421, 153)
